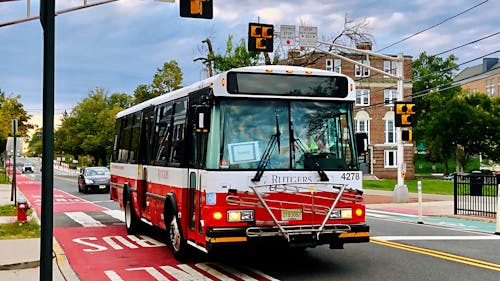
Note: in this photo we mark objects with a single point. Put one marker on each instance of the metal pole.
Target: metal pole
(497, 229)
(400, 190)
(419, 188)
(14, 170)
(47, 19)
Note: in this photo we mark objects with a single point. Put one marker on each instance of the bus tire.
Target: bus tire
(176, 242)
(132, 222)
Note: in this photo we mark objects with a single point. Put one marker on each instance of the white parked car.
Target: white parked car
(27, 168)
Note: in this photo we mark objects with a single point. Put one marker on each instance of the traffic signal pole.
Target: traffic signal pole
(400, 190)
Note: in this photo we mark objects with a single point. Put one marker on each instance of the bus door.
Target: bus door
(199, 118)
(145, 156)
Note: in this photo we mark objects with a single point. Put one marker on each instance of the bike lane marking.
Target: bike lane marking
(107, 253)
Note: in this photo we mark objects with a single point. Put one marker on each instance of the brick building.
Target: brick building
(481, 78)
(374, 105)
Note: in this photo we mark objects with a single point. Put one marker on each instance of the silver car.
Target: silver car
(94, 179)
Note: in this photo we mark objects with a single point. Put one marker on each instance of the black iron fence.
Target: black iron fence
(476, 194)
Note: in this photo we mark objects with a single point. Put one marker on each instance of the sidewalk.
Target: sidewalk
(20, 258)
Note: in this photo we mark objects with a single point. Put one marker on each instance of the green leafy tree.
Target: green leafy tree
(165, 80)
(11, 108)
(89, 128)
(35, 143)
(432, 80)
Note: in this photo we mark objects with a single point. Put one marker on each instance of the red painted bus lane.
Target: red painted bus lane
(109, 254)
(63, 201)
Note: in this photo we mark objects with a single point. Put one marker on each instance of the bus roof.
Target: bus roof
(217, 82)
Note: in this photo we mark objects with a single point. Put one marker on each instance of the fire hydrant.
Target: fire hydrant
(22, 209)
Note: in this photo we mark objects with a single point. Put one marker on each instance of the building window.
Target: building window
(390, 96)
(363, 123)
(389, 132)
(362, 97)
(390, 67)
(334, 65)
(360, 71)
(490, 87)
(390, 159)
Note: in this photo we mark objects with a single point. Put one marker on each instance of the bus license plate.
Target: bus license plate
(102, 186)
(291, 214)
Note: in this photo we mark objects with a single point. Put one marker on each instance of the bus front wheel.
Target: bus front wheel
(176, 242)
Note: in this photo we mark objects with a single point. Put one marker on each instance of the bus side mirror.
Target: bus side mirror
(362, 143)
(202, 119)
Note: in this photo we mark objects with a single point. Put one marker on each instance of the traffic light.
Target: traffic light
(196, 9)
(260, 37)
(406, 135)
(405, 114)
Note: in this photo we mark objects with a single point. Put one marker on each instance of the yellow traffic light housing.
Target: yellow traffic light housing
(260, 37)
(196, 9)
(405, 114)
(407, 135)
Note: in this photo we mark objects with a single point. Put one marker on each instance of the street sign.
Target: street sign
(308, 36)
(287, 35)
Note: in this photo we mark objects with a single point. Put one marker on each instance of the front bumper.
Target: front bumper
(333, 235)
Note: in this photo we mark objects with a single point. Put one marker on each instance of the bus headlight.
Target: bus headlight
(341, 214)
(240, 215)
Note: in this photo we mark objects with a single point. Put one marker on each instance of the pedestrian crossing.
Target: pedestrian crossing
(89, 219)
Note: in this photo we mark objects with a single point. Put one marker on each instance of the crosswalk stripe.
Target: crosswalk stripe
(83, 219)
(117, 214)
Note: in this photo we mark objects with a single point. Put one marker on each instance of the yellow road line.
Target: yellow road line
(438, 254)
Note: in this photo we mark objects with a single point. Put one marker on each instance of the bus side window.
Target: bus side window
(124, 143)
(163, 134)
(116, 143)
(177, 152)
(135, 134)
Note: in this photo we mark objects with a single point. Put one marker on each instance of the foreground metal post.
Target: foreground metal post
(419, 189)
(497, 229)
(47, 19)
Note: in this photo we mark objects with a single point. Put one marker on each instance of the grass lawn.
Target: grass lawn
(17, 230)
(433, 186)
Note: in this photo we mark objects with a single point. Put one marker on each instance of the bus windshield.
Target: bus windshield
(296, 135)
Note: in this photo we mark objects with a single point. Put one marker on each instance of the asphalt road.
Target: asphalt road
(398, 251)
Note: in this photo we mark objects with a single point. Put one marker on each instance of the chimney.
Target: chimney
(364, 46)
(488, 63)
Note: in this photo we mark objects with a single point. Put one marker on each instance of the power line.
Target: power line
(437, 24)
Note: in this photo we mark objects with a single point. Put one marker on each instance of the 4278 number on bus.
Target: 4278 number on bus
(350, 176)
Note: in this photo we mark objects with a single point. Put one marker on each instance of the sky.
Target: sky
(120, 45)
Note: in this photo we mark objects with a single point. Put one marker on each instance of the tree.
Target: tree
(89, 128)
(165, 80)
(432, 80)
(35, 143)
(11, 108)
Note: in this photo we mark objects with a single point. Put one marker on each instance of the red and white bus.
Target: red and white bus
(254, 154)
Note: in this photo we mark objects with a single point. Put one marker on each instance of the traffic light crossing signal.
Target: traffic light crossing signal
(406, 135)
(260, 37)
(405, 114)
(196, 9)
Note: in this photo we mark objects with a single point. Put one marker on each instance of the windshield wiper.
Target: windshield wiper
(266, 156)
(297, 143)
